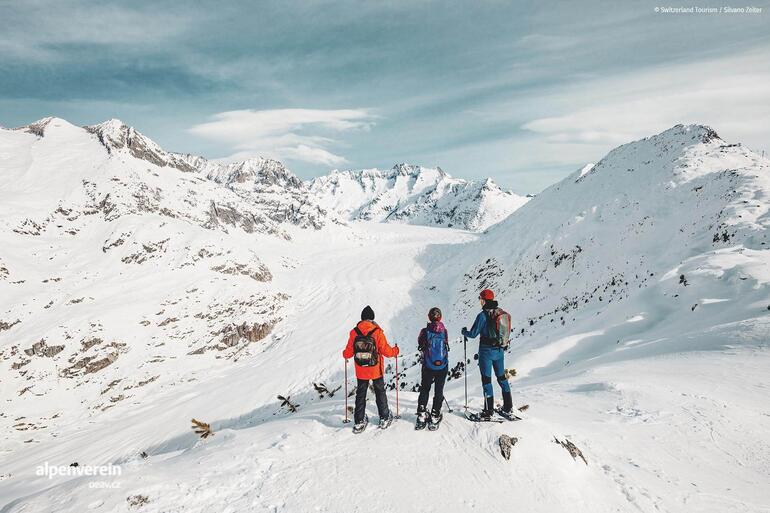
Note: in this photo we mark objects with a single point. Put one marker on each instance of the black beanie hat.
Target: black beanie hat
(367, 314)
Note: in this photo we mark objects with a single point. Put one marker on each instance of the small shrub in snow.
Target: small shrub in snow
(201, 429)
(571, 448)
(323, 391)
(285, 402)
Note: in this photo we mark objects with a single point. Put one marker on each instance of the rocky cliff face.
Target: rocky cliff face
(116, 137)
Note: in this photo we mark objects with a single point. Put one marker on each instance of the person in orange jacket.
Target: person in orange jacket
(368, 347)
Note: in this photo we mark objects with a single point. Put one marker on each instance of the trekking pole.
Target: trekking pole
(397, 414)
(346, 393)
(465, 369)
(449, 408)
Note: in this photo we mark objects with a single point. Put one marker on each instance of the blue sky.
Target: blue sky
(524, 92)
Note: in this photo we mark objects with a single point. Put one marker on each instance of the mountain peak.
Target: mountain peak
(489, 185)
(252, 172)
(112, 125)
(695, 133)
(404, 169)
(415, 170)
(39, 127)
(114, 134)
(116, 137)
(652, 154)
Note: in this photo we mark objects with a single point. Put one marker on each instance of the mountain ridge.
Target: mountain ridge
(415, 194)
(406, 193)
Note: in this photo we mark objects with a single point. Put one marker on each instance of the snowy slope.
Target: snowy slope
(678, 219)
(123, 270)
(415, 195)
(667, 402)
(640, 293)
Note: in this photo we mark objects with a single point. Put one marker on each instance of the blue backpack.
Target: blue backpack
(436, 354)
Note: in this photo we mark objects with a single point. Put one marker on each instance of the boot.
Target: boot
(385, 422)
(435, 419)
(507, 410)
(489, 408)
(360, 426)
(422, 418)
(507, 402)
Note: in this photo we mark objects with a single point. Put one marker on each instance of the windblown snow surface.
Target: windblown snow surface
(141, 289)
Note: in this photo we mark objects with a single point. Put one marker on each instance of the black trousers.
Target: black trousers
(429, 377)
(379, 395)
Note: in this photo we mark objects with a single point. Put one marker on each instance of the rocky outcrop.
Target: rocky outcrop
(103, 356)
(254, 270)
(42, 349)
(250, 332)
(115, 136)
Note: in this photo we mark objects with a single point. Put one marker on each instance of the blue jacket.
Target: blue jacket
(480, 326)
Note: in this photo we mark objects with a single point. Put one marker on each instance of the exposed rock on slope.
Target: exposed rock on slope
(115, 136)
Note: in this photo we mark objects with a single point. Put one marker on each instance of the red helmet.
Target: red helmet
(487, 295)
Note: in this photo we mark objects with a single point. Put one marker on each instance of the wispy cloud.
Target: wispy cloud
(731, 94)
(291, 134)
(48, 31)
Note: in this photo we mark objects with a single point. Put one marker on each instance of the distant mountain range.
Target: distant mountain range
(415, 195)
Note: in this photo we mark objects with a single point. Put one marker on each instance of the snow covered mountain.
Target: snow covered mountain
(639, 288)
(415, 195)
(681, 217)
(125, 268)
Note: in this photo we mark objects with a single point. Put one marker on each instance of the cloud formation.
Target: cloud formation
(525, 93)
(731, 94)
(286, 134)
(48, 31)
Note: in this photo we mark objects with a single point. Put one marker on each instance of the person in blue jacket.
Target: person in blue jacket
(491, 357)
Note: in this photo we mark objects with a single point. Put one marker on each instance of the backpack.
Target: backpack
(365, 349)
(436, 353)
(499, 326)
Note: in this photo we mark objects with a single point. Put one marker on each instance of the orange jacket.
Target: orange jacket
(383, 350)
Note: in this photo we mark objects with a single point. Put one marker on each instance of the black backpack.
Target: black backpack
(365, 349)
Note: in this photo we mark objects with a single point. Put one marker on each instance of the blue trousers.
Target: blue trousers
(492, 358)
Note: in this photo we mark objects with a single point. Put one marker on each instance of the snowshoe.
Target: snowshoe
(387, 421)
(422, 420)
(359, 428)
(435, 421)
(507, 415)
(483, 416)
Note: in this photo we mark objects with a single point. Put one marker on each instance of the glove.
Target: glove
(464, 331)
(398, 351)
